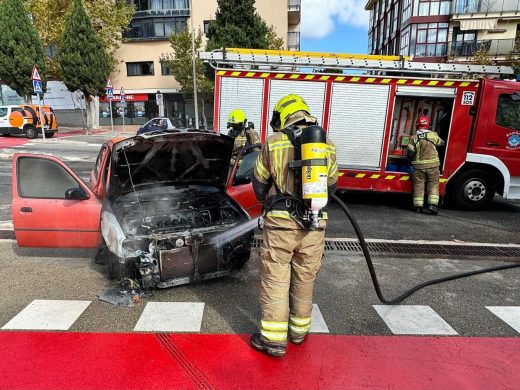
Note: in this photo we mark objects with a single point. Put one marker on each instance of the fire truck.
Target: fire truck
(370, 115)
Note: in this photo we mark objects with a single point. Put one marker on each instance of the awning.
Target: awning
(478, 24)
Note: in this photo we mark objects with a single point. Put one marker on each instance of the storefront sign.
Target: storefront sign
(128, 98)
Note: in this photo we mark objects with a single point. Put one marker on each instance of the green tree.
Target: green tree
(108, 17)
(83, 61)
(181, 67)
(20, 49)
(237, 24)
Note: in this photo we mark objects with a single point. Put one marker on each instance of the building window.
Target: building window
(206, 27)
(429, 39)
(508, 112)
(464, 42)
(157, 5)
(405, 41)
(155, 28)
(165, 71)
(139, 68)
(407, 10)
(431, 7)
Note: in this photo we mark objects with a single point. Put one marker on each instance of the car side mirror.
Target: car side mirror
(76, 193)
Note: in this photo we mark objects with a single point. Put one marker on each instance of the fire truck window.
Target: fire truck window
(508, 112)
(3, 111)
(45, 179)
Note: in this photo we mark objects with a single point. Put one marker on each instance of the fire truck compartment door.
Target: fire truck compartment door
(311, 91)
(357, 122)
(240, 93)
(405, 90)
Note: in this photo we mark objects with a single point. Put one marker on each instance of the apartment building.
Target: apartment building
(444, 30)
(141, 74)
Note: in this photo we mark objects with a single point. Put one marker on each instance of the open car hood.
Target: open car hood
(175, 158)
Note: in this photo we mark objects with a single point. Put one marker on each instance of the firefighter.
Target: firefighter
(244, 135)
(422, 151)
(291, 254)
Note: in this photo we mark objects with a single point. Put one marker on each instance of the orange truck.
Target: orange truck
(25, 119)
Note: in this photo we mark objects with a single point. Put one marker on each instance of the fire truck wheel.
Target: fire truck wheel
(31, 132)
(473, 190)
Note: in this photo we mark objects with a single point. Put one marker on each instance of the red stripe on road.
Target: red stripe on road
(49, 360)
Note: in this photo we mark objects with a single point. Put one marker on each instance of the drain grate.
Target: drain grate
(398, 248)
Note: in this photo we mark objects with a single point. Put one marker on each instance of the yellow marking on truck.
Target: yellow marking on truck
(295, 76)
(360, 175)
(221, 72)
(355, 79)
(386, 81)
(375, 176)
(251, 74)
(324, 78)
(389, 177)
(449, 83)
(443, 180)
(235, 74)
(280, 75)
(464, 84)
(417, 82)
(371, 80)
(309, 77)
(340, 78)
(401, 81)
(433, 82)
(264, 75)
(404, 178)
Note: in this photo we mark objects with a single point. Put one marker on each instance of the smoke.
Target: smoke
(234, 232)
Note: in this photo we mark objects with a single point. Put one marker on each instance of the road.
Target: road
(460, 334)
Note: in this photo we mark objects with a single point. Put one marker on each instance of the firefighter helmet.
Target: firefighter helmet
(237, 117)
(423, 122)
(285, 107)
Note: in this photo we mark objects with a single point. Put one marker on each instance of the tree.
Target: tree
(275, 42)
(108, 17)
(237, 24)
(20, 49)
(83, 61)
(181, 67)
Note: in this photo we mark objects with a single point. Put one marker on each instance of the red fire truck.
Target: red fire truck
(370, 116)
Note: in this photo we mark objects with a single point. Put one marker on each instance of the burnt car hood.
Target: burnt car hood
(178, 158)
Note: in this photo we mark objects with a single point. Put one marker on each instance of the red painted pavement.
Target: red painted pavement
(12, 141)
(55, 360)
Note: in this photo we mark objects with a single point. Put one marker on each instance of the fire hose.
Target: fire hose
(420, 286)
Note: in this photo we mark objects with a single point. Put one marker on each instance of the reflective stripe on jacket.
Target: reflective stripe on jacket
(241, 139)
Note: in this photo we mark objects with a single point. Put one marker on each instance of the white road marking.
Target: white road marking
(48, 315)
(171, 317)
(318, 324)
(509, 314)
(414, 320)
(6, 225)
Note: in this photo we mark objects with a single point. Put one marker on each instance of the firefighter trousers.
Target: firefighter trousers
(425, 180)
(290, 262)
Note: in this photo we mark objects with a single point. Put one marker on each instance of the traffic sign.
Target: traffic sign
(110, 93)
(122, 94)
(35, 74)
(109, 84)
(159, 98)
(38, 86)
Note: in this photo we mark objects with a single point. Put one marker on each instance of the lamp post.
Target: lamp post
(193, 60)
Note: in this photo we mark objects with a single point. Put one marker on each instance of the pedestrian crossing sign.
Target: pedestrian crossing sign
(38, 86)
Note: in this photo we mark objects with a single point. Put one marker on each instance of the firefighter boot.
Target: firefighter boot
(265, 346)
(417, 209)
(432, 209)
(296, 338)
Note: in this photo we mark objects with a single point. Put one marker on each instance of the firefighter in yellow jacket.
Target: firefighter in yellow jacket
(422, 151)
(292, 250)
(238, 129)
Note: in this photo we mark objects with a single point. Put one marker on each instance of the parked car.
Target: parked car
(161, 124)
(25, 119)
(157, 203)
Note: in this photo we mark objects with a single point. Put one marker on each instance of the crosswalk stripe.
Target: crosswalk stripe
(171, 317)
(48, 315)
(413, 320)
(318, 324)
(509, 314)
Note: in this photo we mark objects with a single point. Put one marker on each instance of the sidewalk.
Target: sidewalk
(52, 360)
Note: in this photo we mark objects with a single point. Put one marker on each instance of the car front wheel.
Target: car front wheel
(31, 132)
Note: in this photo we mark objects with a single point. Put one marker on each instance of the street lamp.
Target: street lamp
(193, 60)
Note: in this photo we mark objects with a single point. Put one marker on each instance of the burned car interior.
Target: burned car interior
(167, 208)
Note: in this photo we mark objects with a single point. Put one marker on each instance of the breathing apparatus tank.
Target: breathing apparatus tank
(314, 172)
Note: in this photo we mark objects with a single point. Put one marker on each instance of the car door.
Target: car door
(51, 206)
(240, 184)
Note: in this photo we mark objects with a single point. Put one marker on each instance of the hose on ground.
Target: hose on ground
(407, 293)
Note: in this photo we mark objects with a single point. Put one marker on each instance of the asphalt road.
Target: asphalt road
(343, 292)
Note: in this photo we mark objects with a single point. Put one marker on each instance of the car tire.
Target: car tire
(31, 132)
(473, 190)
(49, 134)
(118, 270)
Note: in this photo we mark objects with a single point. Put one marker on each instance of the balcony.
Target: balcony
(293, 41)
(486, 7)
(495, 49)
(294, 12)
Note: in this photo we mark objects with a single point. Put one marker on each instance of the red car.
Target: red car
(158, 203)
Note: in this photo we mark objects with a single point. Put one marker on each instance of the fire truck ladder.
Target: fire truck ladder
(289, 60)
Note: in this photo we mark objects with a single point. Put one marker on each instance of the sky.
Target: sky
(334, 26)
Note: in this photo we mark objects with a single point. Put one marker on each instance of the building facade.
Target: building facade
(444, 30)
(142, 75)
